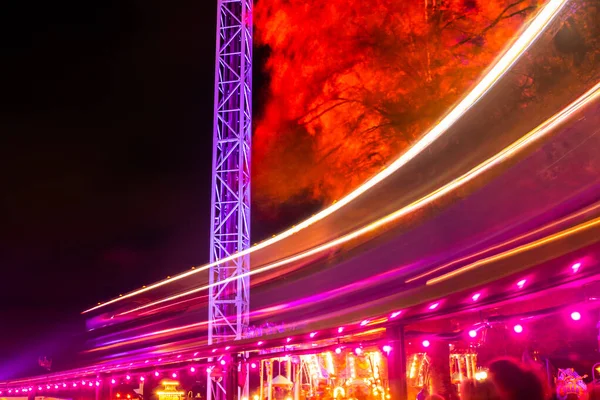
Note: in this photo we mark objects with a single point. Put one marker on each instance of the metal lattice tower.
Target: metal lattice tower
(228, 313)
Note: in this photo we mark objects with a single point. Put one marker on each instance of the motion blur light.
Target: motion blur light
(473, 333)
(365, 322)
(426, 343)
(575, 316)
(395, 314)
(518, 328)
(434, 306)
(313, 334)
(481, 376)
(476, 296)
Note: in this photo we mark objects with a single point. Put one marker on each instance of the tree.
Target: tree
(353, 83)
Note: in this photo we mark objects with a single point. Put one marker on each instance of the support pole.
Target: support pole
(397, 363)
(262, 381)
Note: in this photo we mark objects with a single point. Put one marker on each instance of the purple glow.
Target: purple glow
(214, 350)
(473, 333)
(521, 283)
(313, 334)
(174, 375)
(142, 379)
(259, 343)
(575, 316)
(128, 377)
(56, 386)
(113, 381)
(223, 362)
(476, 296)
(65, 385)
(253, 365)
(518, 328)
(156, 373)
(192, 369)
(338, 350)
(90, 384)
(227, 348)
(426, 343)
(434, 306)
(195, 354)
(146, 362)
(365, 322)
(97, 384)
(575, 267)
(208, 370)
(39, 388)
(395, 314)
(179, 356)
(74, 385)
(340, 329)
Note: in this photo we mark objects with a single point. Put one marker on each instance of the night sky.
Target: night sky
(105, 155)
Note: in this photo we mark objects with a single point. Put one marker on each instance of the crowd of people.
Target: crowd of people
(510, 380)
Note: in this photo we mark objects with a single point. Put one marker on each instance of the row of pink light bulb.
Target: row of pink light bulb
(518, 328)
(576, 316)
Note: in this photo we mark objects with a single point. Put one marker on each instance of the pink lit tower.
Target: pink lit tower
(228, 312)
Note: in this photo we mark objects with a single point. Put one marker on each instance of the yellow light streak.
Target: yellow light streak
(498, 158)
(517, 250)
(514, 52)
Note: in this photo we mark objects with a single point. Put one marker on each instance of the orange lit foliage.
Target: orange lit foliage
(354, 82)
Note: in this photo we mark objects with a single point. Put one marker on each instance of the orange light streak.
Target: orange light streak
(517, 250)
(514, 52)
(503, 244)
(497, 159)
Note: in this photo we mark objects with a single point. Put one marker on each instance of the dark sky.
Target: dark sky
(105, 153)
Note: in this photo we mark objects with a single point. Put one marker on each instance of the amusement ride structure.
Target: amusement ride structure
(360, 297)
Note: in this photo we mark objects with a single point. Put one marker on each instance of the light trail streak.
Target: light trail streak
(514, 52)
(503, 155)
(503, 244)
(517, 250)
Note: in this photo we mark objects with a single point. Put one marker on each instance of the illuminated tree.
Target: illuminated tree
(353, 83)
